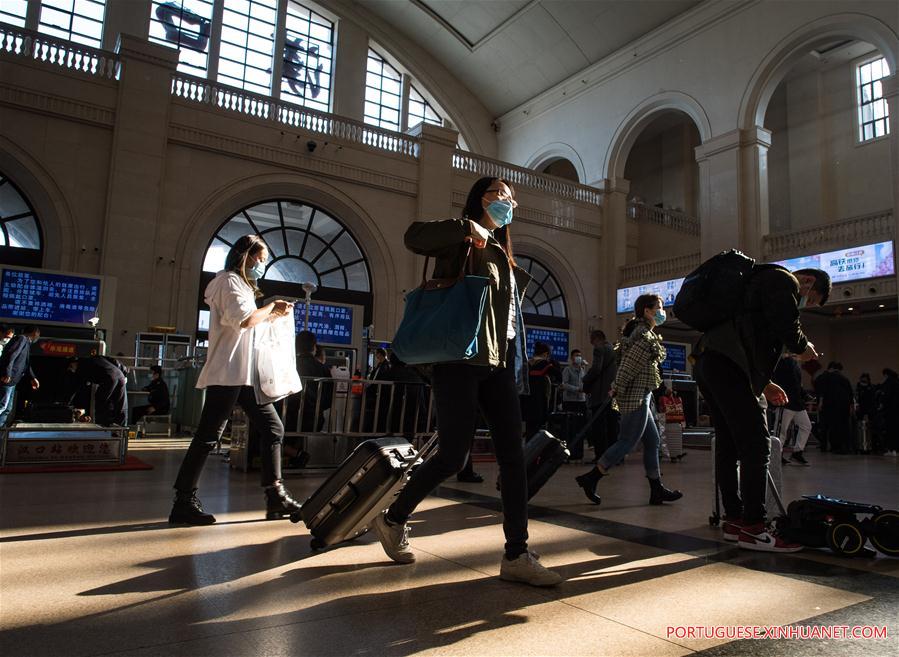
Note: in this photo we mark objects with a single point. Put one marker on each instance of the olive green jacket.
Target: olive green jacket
(445, 242)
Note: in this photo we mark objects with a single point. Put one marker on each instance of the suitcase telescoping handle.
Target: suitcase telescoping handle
(423, 454)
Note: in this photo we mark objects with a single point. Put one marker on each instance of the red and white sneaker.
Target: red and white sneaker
(763, 539)
(731, 528)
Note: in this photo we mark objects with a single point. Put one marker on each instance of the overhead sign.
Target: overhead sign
(331, 324)
(557, 339)
(41, 296)
(666, 289)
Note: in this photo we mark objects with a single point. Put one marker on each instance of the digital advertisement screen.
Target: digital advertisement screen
(676, 360)
(854, 264)
(331, 324)
(41, 296)
(665, 289)
(557, 340)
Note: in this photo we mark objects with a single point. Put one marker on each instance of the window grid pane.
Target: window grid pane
(543, 296)
(382, 83)
(73, 20)
(420, 110)
(186, 26)
(248, 31)
(19, 227)
(13, 12)
(307, 58)
(873, 113)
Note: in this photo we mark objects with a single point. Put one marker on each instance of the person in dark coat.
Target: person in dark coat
(597, 383)
(788, 375)
(158, 401)
(543, 372)
(734, 363)
(835, 400)
(315, 393)
(109, 375)
(15, 365)
(888, 407)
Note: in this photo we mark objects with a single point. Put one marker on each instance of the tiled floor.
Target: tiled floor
(90, 567)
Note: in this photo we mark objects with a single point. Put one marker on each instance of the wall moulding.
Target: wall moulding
(653, 271)
(875, 288)
(854, 231)
(49, 104)
(214, 142)
(545, 219)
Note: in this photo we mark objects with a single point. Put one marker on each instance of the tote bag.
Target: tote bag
(442, 318)
(276, 374)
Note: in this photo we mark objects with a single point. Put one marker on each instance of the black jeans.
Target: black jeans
(264, 421)
(110, 401)
(458, 391)
(838, 429)
(741, 434)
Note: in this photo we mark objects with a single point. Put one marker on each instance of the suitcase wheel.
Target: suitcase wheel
(845, 538)
(295, 517)
(317, 544)
(885, 536)
(714, 520)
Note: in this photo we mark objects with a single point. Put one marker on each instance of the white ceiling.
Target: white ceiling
(508, 51)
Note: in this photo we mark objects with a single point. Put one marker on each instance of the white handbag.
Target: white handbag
(276, 374)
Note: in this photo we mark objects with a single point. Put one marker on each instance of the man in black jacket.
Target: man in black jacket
(109, 375)
(734, 362)
(597, 383)
(835, 399)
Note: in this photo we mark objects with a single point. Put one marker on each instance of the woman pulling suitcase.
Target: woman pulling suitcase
(492, 379)
(228, 379)
(637, 377)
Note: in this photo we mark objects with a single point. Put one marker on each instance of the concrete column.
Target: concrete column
(137, 171)
(125, 17)
(891, 93)
(614, 246)
(733, 191)
(350, 65)
(435, 170)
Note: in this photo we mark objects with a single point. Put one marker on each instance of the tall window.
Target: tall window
(308, 58)
(420, 109)
(74, 20)
(383, 93)
(305, 245)
(543, 296)
(873, 113)
(14, 12)
(18, 225)
(187, 26)
(248, 39)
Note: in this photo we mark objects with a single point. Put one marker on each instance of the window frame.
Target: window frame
(859, 124)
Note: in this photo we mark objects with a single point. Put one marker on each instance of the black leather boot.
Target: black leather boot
(588, 482)
(658, 493)
(187, 510)
(278, 502)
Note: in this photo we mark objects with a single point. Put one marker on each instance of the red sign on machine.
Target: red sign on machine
(51, 348)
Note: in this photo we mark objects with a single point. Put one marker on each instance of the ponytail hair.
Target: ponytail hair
(236, 260)
(643, 302)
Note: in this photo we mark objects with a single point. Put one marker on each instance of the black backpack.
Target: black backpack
(713, 292)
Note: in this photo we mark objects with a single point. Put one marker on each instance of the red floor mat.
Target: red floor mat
(131, 463)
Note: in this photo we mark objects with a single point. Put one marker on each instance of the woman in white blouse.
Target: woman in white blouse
(227, 377)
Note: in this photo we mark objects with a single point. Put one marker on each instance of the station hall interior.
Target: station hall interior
(140, 139)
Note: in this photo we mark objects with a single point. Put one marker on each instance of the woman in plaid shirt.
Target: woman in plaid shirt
(640, 351)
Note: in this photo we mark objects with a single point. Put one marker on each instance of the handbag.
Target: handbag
(275, 376)
(442, 318)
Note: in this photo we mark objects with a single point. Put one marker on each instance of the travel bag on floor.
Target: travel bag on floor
(364, 485)
(543, 454)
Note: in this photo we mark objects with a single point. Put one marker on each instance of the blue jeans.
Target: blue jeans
(636, 426)
(7, 394)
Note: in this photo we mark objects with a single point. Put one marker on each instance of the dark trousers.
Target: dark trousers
(110, 401)
(458, 391)
(838, 429)
(604, 431)
(741, 434)
(264, 421)
(574, 421)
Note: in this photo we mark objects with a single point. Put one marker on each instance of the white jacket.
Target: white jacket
(230, 359)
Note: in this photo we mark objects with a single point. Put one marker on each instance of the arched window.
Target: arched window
(19, 227)
(543, 296)
(305, 244)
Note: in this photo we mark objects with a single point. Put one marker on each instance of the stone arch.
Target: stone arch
(60, 234)
(232, 196)
(795, 45)
(641, 116)
(556, 151)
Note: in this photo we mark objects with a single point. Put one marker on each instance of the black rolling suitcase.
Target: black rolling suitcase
(543, 454)
(365, 484)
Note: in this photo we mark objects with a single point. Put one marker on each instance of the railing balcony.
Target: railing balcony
(28, 44)
(675, 219)
(853, 231)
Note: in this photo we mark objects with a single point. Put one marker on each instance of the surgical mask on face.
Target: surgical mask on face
(4, 341)
(500, 212)
(660, 317)
(257, 271)
(578, 360)
(803, 301)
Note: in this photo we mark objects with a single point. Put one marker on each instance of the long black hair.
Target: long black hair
(643, 302)
(474, 211)
(236, 260)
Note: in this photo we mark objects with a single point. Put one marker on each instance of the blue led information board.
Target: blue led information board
(41, 296)
(331, 324)
(676, 360)
(555, 338)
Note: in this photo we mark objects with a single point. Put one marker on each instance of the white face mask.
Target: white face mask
(578, 360)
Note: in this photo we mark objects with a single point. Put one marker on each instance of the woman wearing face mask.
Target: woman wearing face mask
(491, 380)
(637, 377)
(227, 377)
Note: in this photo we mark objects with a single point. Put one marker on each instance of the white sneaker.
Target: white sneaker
(394, 539)
(528, 570)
